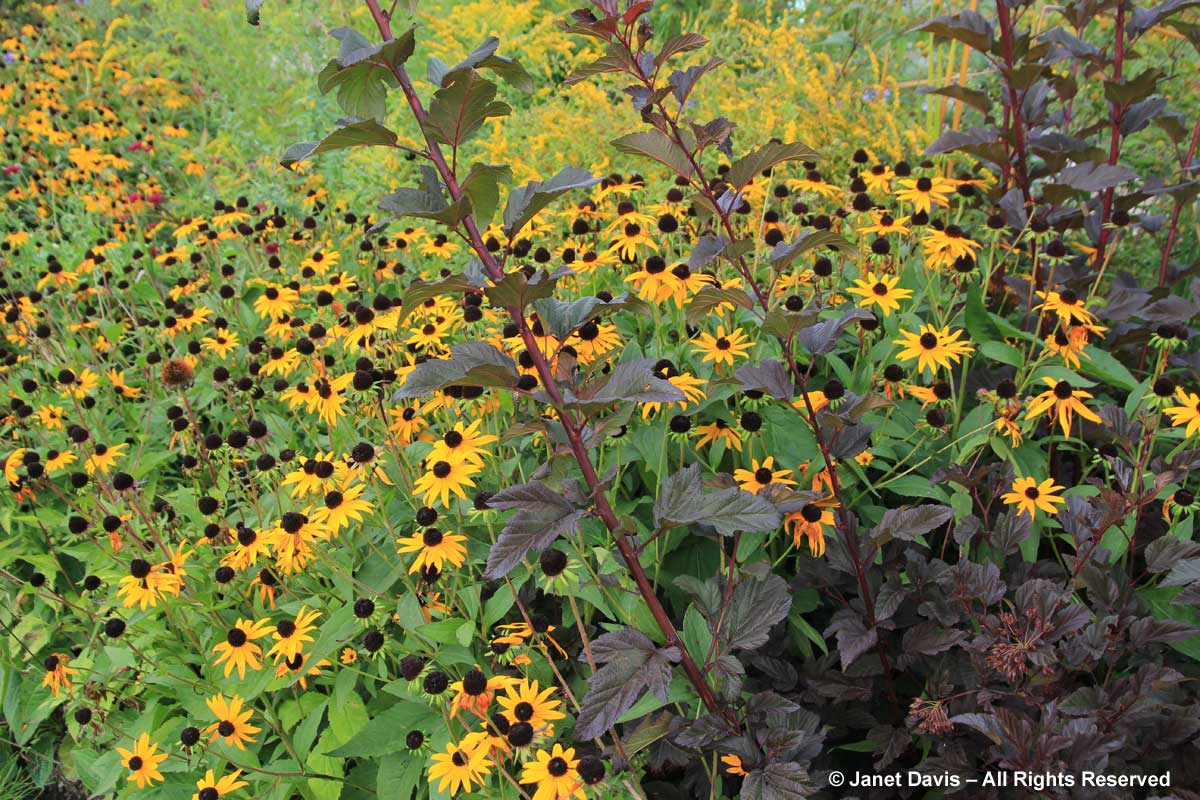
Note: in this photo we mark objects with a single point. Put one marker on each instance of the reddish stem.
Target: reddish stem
(1187, 163)
(1114, 145)
(546, 374)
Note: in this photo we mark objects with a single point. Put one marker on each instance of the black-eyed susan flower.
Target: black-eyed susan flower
(292, 540)
(233, 721)
(146, 585)
(718, 431)
(924, 193)
(762, 475)
(1186, 415)
(525, 701)
(442, 479)
(291, 635)
(1029, 496)
(1068, 305)
(724, 348)
(238, 650)
(211, 788)
(462, 765)
(554, 773)
(464, 444)
(733, 765)
(104, 458)
(434, 548)
(1065, 400)
(943, 247)
(58, 674)
(810, 523)
(880, 291)
(341, 508)
(476, 691)
(142, 761)
(932, 347)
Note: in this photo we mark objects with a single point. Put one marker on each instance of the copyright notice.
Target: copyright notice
(1014, 779)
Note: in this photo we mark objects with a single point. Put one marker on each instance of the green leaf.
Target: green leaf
(419, 291)
(712, 297)
(353, 46)
(458, 109)
(385, 733)
(428, 202)
(784, 254)
(526, 201)
(470, 364)
(750, 165)
(516, 291)
(482, 188)
(682, 501)
(542, 516)
(507, 69)
(631, 381)
(1101, 364)
(364, 133)
(655, 145)
(564, 317)
(361, 88)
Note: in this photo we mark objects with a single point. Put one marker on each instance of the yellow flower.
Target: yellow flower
(442, 479)
(462, 765)
(1028, 496)
(723, 348)
(880, 291)
(290, 635)
(762, 475)
(555, 774)
(142, 761)
(933, 348)
(1066, 402)
(226, 785)
(238, 650)
(1187, 413)
(233, 723)
(57, 673)
(435, 548)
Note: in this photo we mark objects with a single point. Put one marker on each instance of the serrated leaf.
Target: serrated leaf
(750, 165)
(655, 145)
(507, 69)
(417, 292)
(470, 364)
(353, 47)
(907, 522)
(968, 27)
(564, 317)
(632, 664)
(458, 110)
(361, 88)
(785, 253)
(516, 291)
(385, 733)
(631, 381)
(779, 781)
(771, 376)
(482, 188)
(542, 516)
(821, 338)
(756, 605)
(1092, 177)
(363, 133)
(712, 297)
(682, 501)
(526, 201)
(681, 43)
